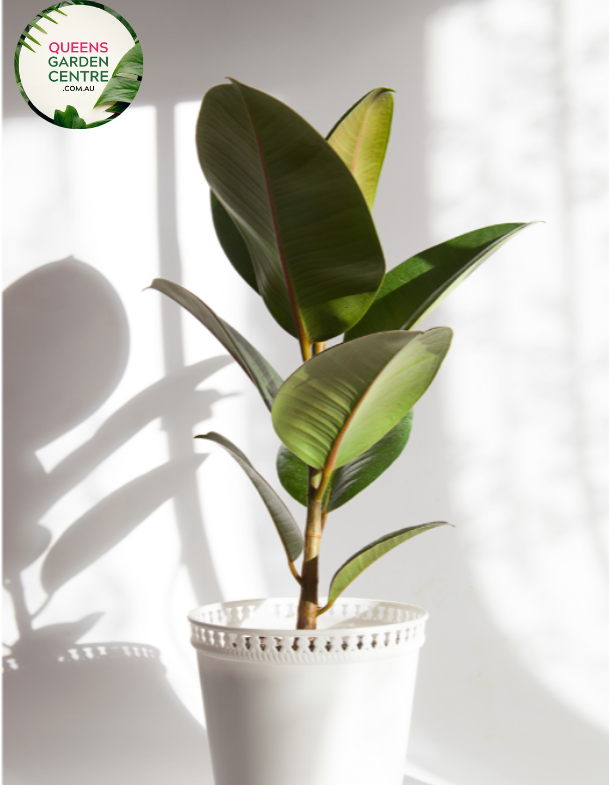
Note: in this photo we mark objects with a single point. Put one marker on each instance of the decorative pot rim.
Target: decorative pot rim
(370, 629)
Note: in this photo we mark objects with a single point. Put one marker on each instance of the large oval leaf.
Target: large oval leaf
(307, 227)
(289, 532)
(339, 403)
(232, 242)
(347, 481)
(365, 557)
(361, 136)
(267, 381)
(411, 290)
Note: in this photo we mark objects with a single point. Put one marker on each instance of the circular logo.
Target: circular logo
(78, 64)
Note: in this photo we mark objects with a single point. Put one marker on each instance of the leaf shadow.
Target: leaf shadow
(109, 521)
(152, 403)
(73, 708)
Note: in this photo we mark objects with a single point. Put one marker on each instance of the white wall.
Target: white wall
(499, 117)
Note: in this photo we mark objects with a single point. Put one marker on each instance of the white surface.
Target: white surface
(527, 368)
(418, 775)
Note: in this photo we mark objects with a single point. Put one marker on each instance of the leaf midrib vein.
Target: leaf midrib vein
(280, 247)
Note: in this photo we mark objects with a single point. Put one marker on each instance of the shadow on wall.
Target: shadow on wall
(73, 710)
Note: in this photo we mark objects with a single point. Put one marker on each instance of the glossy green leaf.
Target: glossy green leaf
(339, 403)
(124, 88)
(307, 227)
(413, 289)
(232, 242)
(289, 532)
(361, 136)
(347, 481)
(292, 473)
(357, 563)
(68, 119)
(358, 474)
(267, 381)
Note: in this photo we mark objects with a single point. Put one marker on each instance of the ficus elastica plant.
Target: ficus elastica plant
(292, 212)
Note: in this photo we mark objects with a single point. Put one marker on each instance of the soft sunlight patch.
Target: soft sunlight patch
(514, 138)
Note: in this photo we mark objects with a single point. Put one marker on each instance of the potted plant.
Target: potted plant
(311, 690)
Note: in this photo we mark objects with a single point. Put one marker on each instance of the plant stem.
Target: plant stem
(316, 518)
(305, 349)
(296, 575)
(325, 608)
(308, 602)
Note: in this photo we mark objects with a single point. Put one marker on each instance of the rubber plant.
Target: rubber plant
(292, 212)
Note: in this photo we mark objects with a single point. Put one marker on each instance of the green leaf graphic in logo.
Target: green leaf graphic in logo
(125, 81)
(69, 118)
(53, 31)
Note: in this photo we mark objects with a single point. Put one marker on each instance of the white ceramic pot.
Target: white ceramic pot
(329, 706)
